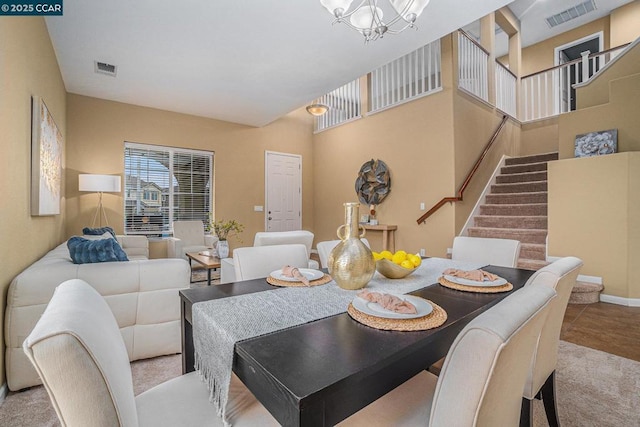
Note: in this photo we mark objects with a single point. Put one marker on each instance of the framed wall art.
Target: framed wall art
(46, 161)
(596, 143)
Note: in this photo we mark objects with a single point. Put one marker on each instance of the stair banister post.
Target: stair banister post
(585, 66)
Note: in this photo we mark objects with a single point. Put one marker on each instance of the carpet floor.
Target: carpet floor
(595, 389)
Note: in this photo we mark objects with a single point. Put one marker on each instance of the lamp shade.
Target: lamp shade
(99, 183)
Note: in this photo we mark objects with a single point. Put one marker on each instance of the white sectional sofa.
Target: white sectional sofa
(142, 293)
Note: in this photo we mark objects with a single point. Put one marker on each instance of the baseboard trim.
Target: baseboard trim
(590, 279)
(4, 391)
(628, 302)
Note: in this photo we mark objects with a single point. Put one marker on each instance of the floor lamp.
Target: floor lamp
(99, 184)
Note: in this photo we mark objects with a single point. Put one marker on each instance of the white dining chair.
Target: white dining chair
(258, 261)
(325, 248)
(499, 252)
(271, 238)
(561, 276)
(482, 377)
(79, 353)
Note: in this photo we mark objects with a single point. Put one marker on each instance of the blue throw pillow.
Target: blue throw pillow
(85, 251)
(98, 231)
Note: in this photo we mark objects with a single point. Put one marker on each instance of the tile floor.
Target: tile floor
(606, 327)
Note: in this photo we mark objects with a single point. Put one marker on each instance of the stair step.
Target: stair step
(523, 235)
(533, 251)
(521, 177)
(510, 221)
(519, 187)
(520, 209)
(536, 158)
(531, 264)
(517, 198)
(529, 167)
(585, 293)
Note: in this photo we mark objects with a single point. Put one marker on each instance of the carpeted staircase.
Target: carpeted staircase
(516, 208)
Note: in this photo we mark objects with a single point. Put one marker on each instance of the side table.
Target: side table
(388, 235)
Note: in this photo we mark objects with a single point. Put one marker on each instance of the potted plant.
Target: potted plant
(224, 230)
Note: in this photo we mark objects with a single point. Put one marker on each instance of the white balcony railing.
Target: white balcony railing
(506, 90)
(472, 67)
(550, 92)
(412, 76)
(344, 105)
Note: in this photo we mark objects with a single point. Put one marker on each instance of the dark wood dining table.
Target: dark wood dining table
(319, 373)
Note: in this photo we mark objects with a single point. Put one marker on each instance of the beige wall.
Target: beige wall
(99, 128)
(416, 141)
(539, 137)
(29, 67)
(625, 23)
(597, 90)
(539, 56)
(594, 214)
(474, 124)
(622, 113)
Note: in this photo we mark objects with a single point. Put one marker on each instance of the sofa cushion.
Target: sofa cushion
(98, 231)
(85, 251)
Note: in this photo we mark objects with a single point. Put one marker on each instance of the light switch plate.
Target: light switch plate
(258, 208)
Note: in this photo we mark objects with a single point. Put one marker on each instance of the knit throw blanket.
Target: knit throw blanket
(219, 324)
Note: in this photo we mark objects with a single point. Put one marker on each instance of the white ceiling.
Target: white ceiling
(243, 61)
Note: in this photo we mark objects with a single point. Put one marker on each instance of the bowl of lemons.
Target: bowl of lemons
(397, 265)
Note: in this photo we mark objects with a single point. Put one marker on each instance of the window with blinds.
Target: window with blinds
(163, 185)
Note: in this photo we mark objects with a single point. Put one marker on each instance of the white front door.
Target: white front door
(283, 182)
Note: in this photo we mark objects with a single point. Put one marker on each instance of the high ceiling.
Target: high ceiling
(245, 61)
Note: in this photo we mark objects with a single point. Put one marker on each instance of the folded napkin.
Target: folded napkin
(289, 271)
(388, 302)
(475, 275)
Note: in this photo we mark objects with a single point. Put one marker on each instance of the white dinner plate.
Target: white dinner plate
(486, 283)
(309, 273)
(423, 308)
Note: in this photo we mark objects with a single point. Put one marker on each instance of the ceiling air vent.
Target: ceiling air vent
(104, 68)
(571, 13)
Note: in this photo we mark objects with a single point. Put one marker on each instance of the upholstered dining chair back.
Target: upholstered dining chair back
(325, 248)
(271, 238)
(259, 261)
(78, 351)
(500, 252)
(561, 276)
(487, 365)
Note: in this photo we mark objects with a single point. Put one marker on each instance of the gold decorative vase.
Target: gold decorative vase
(351, 262)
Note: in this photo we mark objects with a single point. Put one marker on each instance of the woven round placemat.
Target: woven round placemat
(434, 319)
(283, 283)
(478, 289)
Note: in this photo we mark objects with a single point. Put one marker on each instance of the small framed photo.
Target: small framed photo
(364, 219)
(596, 143)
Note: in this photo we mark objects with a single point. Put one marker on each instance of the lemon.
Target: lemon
(407, 264)
(399, 256)
(386, 254)
(377, 256)
(415, 260)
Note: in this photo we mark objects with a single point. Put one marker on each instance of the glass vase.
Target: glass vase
(223, 249)
(351, 262)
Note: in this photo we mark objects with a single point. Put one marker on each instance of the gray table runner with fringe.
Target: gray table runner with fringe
(219, 324)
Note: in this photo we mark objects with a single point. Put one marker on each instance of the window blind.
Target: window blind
(163, 185)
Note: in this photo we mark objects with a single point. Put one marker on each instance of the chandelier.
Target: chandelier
(367, 17)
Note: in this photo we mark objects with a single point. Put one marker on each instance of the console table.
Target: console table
(388, 235)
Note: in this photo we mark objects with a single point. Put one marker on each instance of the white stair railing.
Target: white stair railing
(506, 90)
(472, 67)
(550, 92)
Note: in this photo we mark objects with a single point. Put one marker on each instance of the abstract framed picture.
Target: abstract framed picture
(596, 143)
(46, 161)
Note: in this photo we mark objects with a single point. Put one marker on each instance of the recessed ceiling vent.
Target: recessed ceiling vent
(571, 13)
(104, 68)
